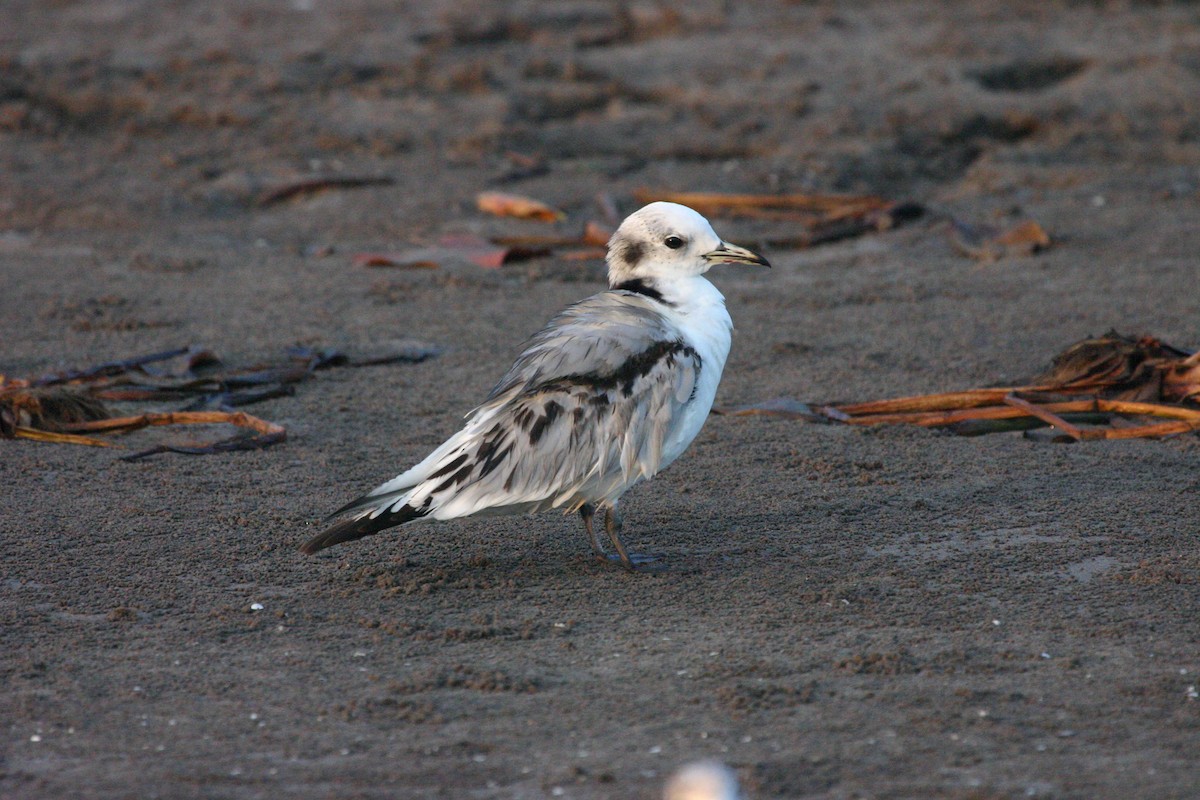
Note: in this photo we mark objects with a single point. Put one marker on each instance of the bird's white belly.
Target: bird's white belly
(695, 413)
(709, 330)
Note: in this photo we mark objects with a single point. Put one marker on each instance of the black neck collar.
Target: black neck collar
(639, 286)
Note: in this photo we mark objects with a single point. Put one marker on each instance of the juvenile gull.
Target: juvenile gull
(608, 394)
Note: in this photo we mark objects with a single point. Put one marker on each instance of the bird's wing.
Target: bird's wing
(595, 336)
(589, 402)
(591, 399)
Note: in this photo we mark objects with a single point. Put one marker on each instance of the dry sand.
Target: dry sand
(849, 613)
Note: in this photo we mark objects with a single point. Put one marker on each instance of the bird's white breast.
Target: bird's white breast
(698, 311)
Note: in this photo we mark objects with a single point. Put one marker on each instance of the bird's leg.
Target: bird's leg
(586, 512)
(612, 526)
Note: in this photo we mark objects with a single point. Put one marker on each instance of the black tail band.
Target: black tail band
(351, 529)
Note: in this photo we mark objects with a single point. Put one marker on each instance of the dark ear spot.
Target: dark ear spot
(631, 253)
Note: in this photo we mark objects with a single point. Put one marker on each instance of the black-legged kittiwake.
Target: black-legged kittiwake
(608, 394)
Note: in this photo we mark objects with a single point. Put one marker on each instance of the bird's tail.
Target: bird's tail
(362, 525)
(391, 503)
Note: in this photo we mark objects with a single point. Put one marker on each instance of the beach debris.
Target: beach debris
(493, 252)
(490, 253)
(455, 246)
(112, 368)
(72, 407)
(486, 253)
(989, 243)
(521, 167)
(766, 206)
(597, 234)
(1126, 368)
(823, 217)
(1109, 387)
(67, 414)
(307, 186)
(260, 433)
(594, 234)
(592, 243)
(504, 204)
(412, 259)
(1032, 75)
(46, 410)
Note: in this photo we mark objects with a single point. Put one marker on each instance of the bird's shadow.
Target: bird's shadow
(414, 572)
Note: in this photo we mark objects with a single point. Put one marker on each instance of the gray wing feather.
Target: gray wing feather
(594, 336)
(587, 406)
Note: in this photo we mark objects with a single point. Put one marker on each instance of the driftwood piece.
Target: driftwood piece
(1110, 384)
(265, 433)
(70, 407)
(814, 218)
(308, 186)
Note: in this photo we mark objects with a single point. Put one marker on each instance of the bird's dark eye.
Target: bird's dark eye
(673, 242)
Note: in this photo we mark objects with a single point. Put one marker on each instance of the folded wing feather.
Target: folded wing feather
(582, 414)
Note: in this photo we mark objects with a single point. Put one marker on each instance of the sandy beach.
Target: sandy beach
(886, 612)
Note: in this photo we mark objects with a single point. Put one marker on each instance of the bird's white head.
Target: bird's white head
(667, 240)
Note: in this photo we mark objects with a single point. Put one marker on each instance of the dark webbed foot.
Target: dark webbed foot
(634, 562)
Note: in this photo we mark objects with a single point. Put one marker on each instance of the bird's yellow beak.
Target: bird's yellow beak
(728, 253)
